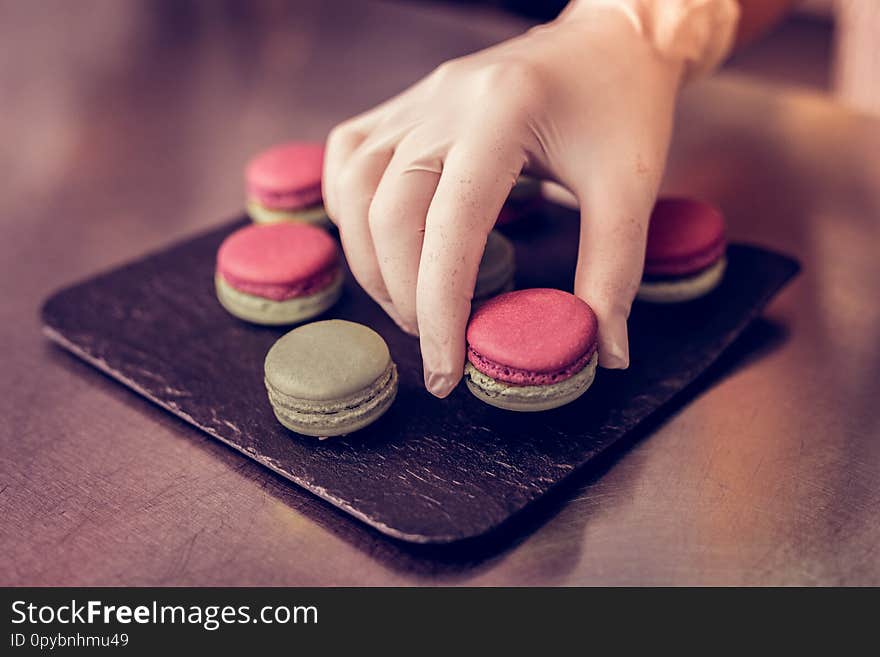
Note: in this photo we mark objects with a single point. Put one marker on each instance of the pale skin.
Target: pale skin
(415, 184)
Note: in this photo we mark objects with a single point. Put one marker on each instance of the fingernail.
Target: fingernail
(439, 385)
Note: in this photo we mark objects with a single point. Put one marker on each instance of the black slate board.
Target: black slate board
(430, 471)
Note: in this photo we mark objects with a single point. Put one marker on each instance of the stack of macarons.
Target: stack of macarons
(531, 350)
(284, 184)
(685, 253)
(280, 273)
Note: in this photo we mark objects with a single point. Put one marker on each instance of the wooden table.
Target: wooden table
(125, 127)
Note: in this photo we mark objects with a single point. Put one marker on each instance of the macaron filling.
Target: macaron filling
(521, 377)
(314, 214)
(276, 313)
(282, 291)
(290, 199)
(330, 378)
(665, 268)
(530, 398)
(683, 288)
(334, 416)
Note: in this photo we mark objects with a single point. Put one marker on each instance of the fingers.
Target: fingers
(342, 142)
(474, 184)
(397, 225)
(354, 187)
(614, 225)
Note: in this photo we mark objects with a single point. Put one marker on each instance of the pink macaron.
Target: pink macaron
(685, 253)
(531, 350)
(279, 273)
(283, 183)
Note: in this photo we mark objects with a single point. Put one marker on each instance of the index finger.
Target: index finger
(473, 186)
(342, 141)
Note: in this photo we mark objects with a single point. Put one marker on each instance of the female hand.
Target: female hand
(416, 184)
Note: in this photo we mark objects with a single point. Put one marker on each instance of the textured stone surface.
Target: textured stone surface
(430, 470)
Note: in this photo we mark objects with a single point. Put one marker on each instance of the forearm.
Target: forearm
(695, 33)
(700, 32)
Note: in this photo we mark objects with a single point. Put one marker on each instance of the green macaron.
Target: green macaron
(330, 378)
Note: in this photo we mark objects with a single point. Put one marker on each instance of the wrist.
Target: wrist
(698, 34)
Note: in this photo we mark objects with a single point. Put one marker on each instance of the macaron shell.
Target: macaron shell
(286, 176)
(684, 235)
(521, 377)
(540, 330)
(685, 288)
(260, 310)
(672, 268)
(530, 398)
(276, 254)
(327, 419)
(326, 360)
(315, 215)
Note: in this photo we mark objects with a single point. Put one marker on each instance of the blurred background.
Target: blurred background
(100, 97)
(119, 62)
(827, 45)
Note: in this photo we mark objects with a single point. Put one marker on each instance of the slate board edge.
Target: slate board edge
(100, 365)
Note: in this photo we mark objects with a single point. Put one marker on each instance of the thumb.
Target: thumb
(611, 254)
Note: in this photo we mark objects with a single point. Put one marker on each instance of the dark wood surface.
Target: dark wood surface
(126, 127)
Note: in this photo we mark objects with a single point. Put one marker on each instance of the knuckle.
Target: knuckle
(381, 216)
(447, 69)
(516, 81)
(348, 176)
(340, 134)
